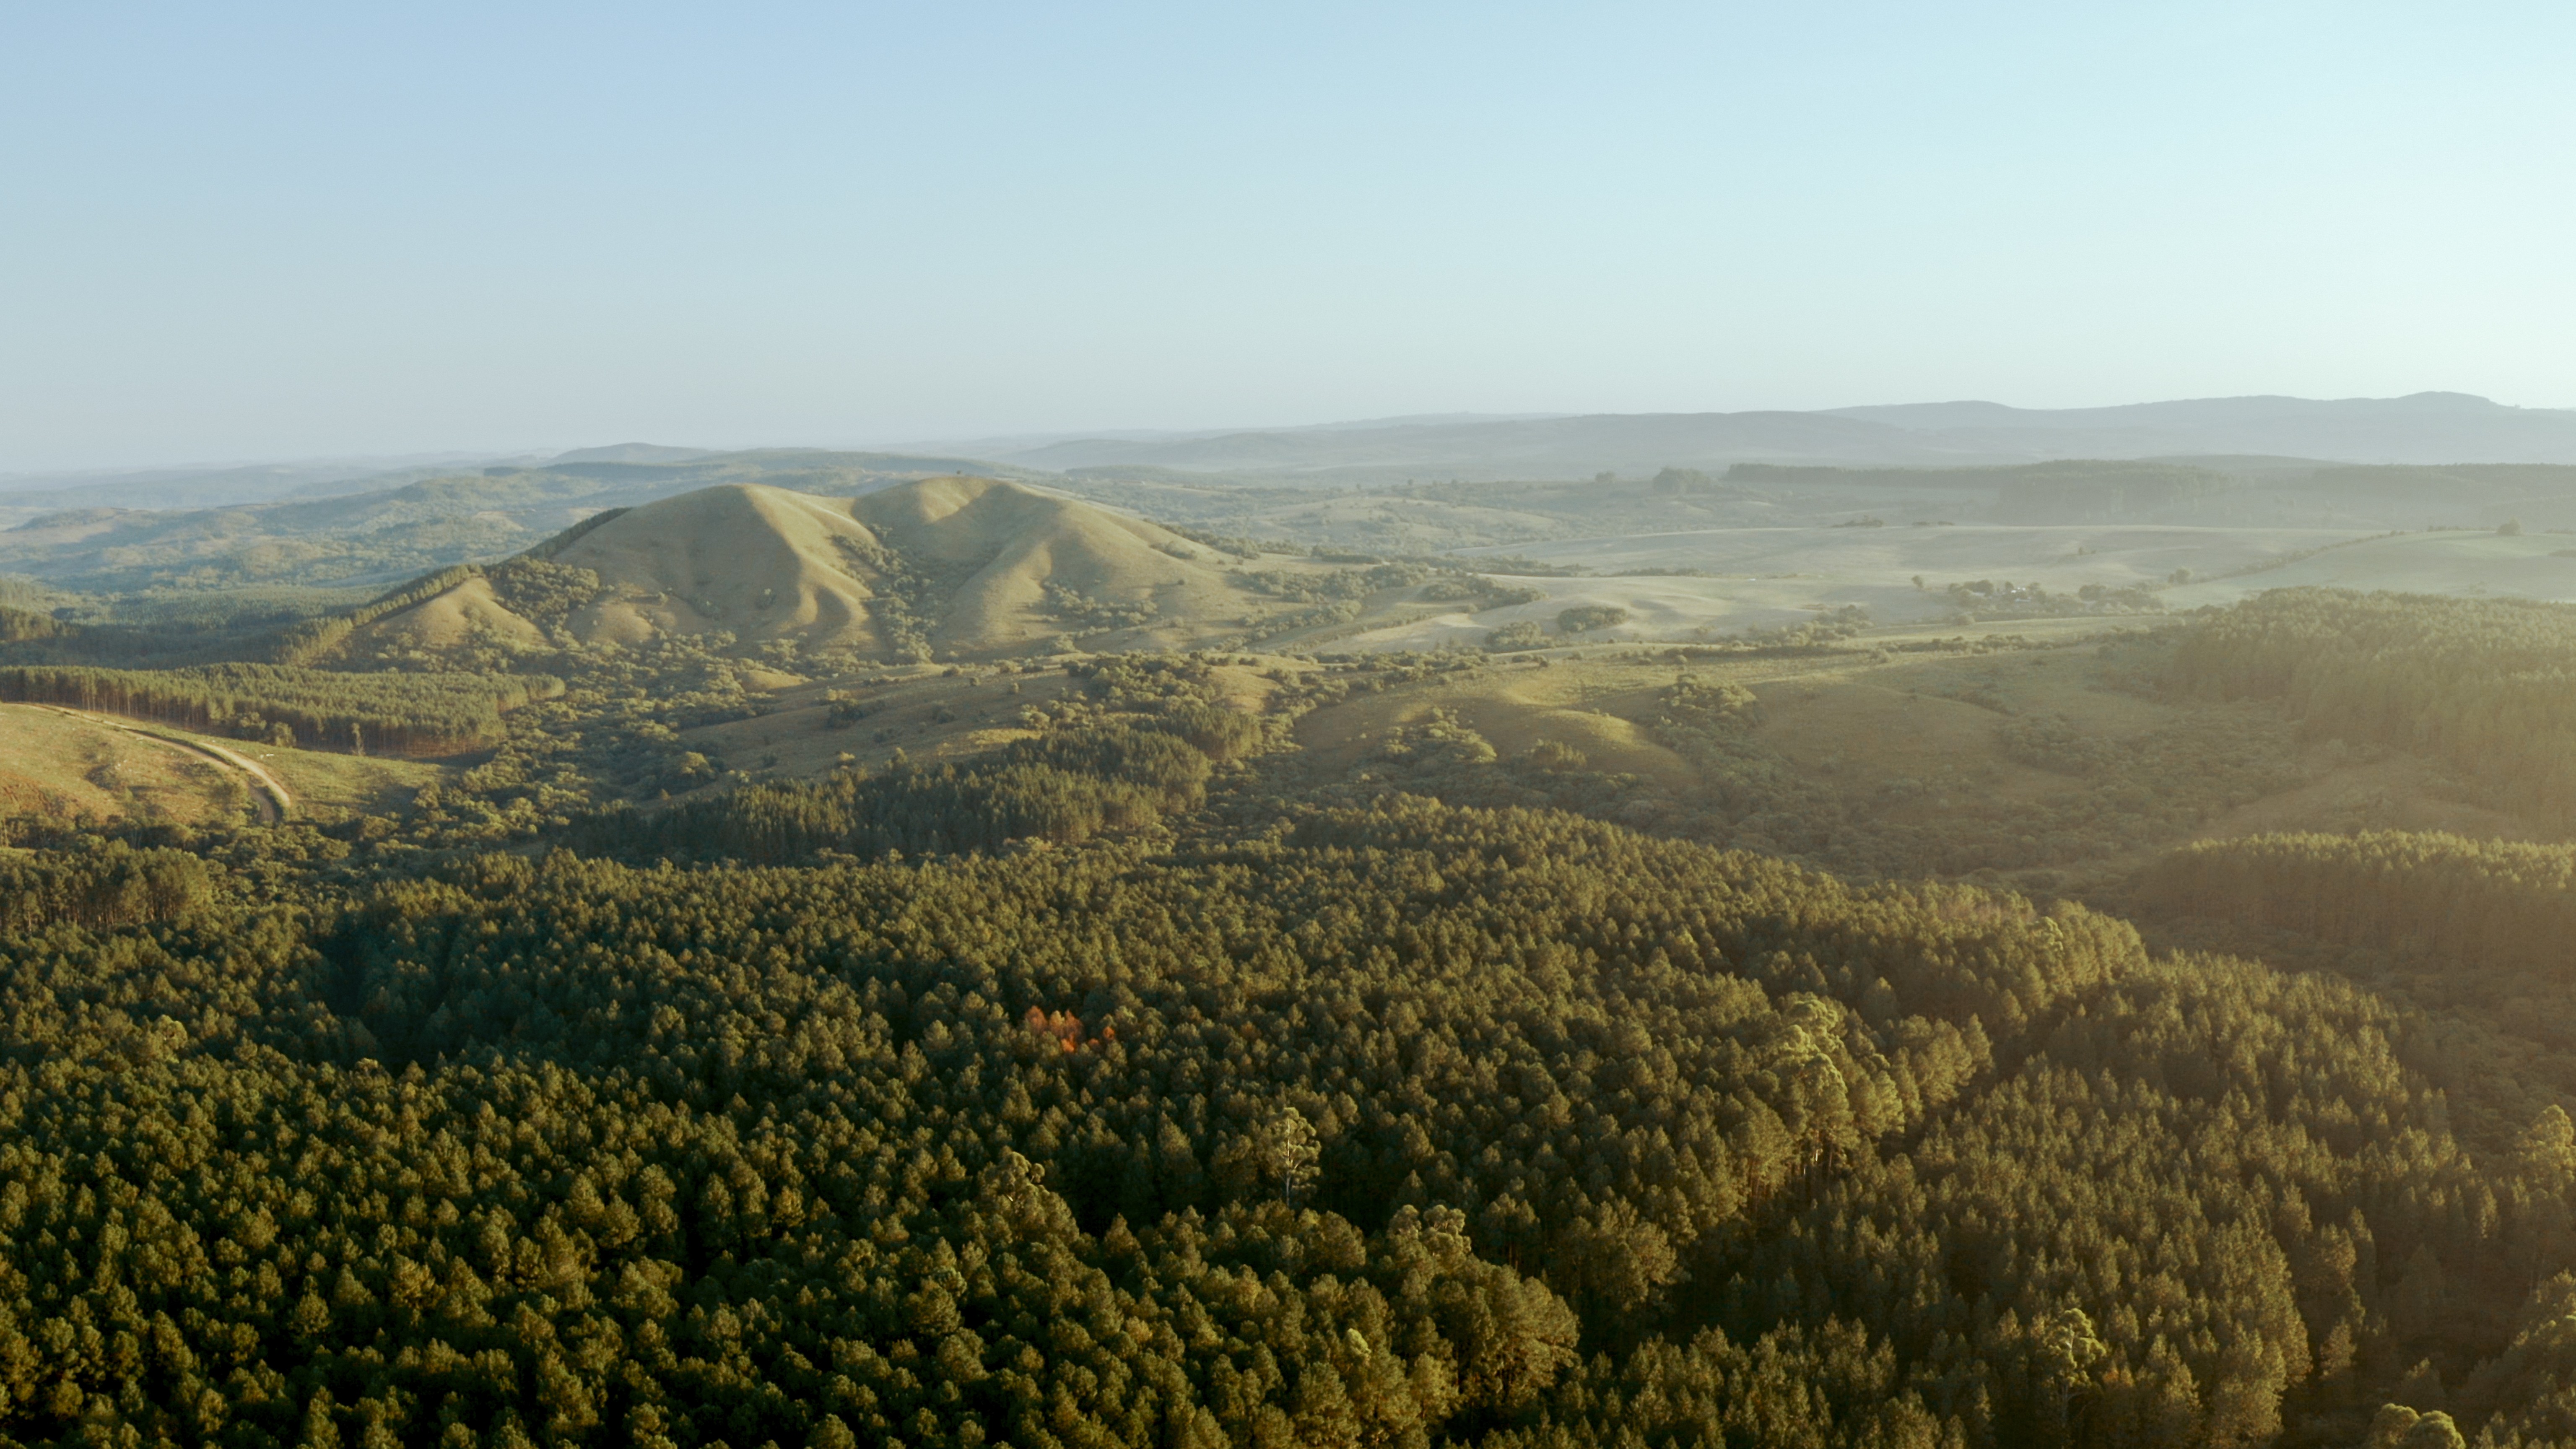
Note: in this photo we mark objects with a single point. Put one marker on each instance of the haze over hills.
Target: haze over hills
(404, 525)
(2422, 428)
(227, 484)
(1464, 488)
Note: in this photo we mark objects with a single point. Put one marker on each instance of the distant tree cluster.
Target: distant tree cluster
(1989, 599)
(1089, 615)
(542, 592)
(21, 626)
(1478, 592)
(1584, 618)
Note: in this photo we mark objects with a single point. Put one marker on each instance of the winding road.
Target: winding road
(274, 802)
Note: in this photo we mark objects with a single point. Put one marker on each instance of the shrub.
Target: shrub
(1583, 618)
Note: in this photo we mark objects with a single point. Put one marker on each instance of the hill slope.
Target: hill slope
(973, 567)
(1012, 543)
(762, 562)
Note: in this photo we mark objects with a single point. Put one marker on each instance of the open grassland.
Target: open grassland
(2046, 752)
(63, 764)
(1687, 585)
(930, 714)
(1698, 583)
(2456, 562)
(1595, 707)
(2063, 558)
(1658, 608)
(328, 785)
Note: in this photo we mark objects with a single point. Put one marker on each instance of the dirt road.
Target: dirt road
(274, 802)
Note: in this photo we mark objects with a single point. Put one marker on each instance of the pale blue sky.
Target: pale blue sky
(284, 230)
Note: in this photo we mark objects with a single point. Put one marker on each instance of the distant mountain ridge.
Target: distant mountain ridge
(2242, 436)
(2423, 428)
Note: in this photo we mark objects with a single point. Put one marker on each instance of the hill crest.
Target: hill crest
(953, 565)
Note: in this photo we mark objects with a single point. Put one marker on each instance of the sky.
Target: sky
(261, 231)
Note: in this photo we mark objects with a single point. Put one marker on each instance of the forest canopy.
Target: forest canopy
(1141, 1080)
(1393, 1124)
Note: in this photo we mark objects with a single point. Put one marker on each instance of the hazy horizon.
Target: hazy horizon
(1003, 442)
(308, 232)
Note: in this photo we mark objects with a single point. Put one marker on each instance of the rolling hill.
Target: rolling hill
(949, 566)
(99, 540)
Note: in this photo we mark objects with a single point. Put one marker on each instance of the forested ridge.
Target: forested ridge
(1125, 1085)
(2488, 684)
(2493, 902)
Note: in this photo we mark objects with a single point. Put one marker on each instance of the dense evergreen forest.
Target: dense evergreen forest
(1133, 1083)
(2488, 684)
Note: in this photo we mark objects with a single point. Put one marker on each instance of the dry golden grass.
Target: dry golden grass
(446, 622)
(1938, 721)
(766, 563)
(760, 562)
(923, 711)
(1595, 708)
(327, 785)
(61, 764)
(1018, 540)
(929, 714)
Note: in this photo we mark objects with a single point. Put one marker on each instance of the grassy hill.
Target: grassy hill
(948, 568)
(2054, 753)
(970, 567)
(759, 562)
(1033, 562)
(390, 532)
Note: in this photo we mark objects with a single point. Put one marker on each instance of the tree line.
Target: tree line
(2487, 685)
(408, 714)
